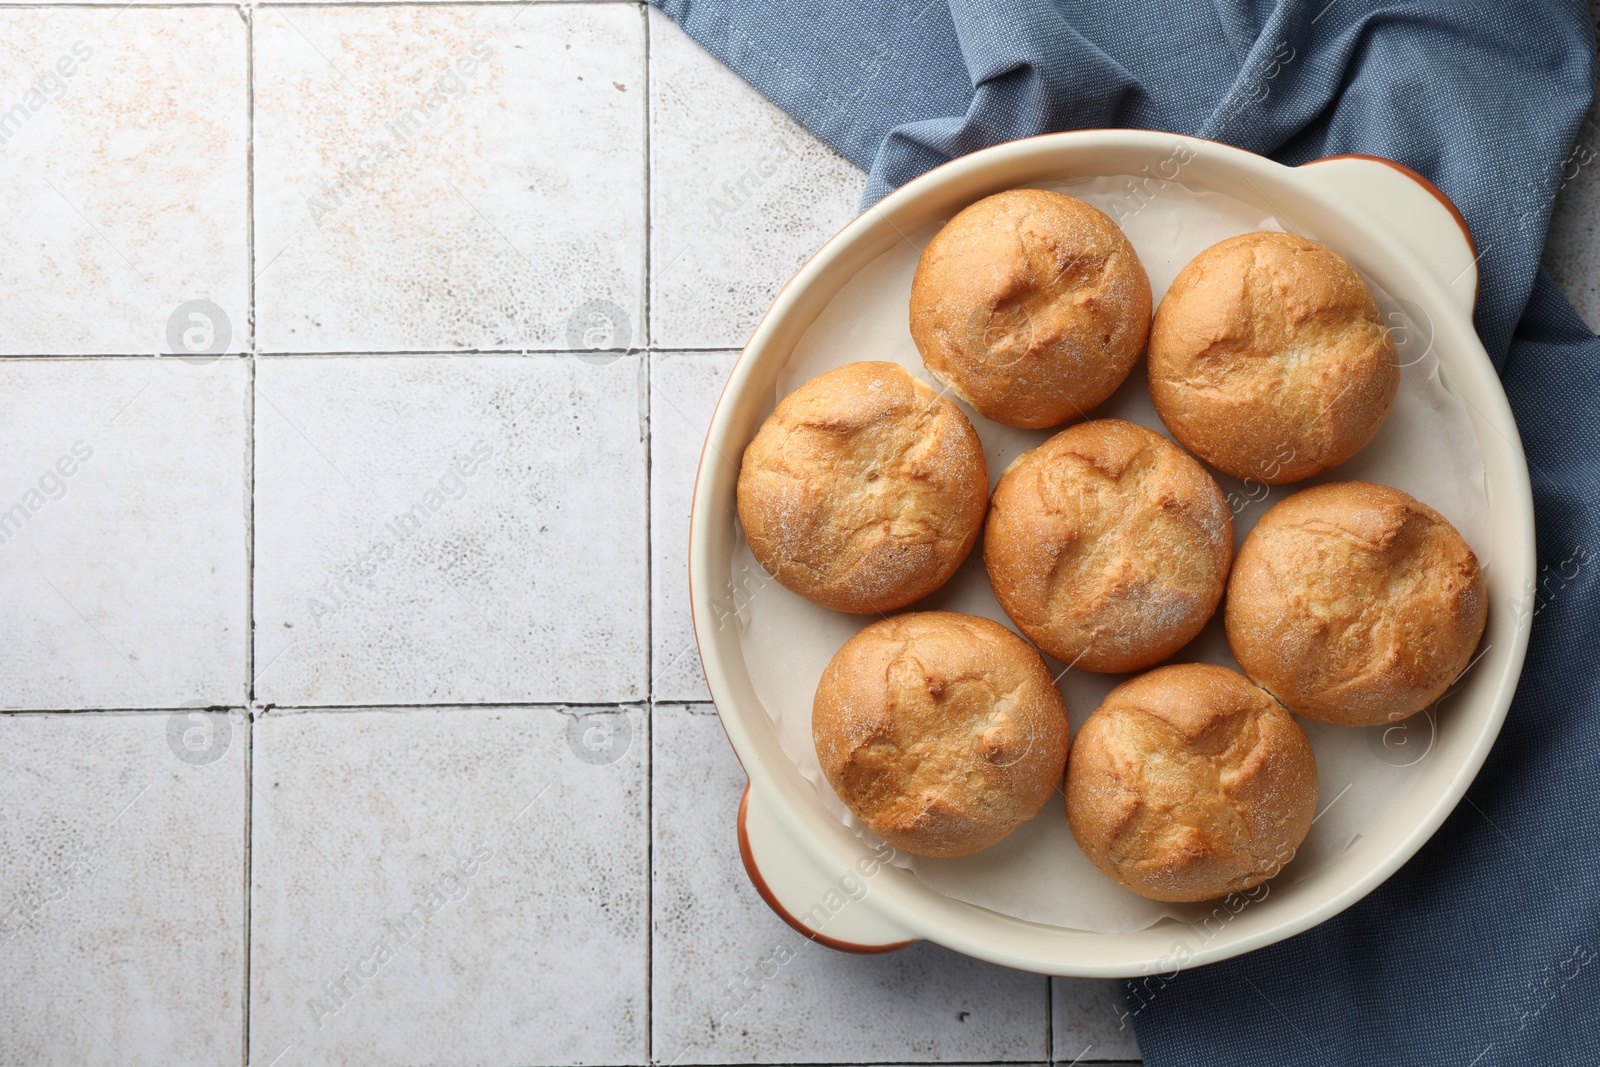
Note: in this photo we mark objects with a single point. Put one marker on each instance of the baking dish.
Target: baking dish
(1394, 226)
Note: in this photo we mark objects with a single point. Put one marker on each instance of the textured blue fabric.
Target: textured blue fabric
(1484, 949)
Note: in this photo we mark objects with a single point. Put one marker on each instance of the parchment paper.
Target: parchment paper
(1426, 447)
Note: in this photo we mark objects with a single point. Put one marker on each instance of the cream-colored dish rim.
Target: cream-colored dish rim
(1389, 222)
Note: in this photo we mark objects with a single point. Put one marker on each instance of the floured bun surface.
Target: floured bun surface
(941, 732)
(1189, 783)
(864, 490)
(1108, 546)
(1269, 359)
(1032, 306)
(1355, 604)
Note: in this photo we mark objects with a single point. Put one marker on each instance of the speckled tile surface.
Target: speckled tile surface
(448, 886)
(123, 539)
(684, 387)
(1089, 1022)
(416, 190)
(122, 919)
(410, 516)
(741, 196)
(124, 139)
(440, 529)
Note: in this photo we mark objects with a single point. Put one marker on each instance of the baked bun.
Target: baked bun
(1031, 306)
(1355, 604)
(942, 732)
(1189, 783)
(864, 490)
(1269, 360)
(1108, 545)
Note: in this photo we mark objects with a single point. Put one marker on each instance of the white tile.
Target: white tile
(122, 919)
(741, 195)
(123, 544)
(1090, 1021)
(475, 878)
(716, 942)
(684, 387)
(124, 191)
(450, 529)
(447, 177)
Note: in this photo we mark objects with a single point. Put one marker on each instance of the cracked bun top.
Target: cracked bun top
(1031, 306)
(1355, 604)
(1108, 546)
(864, 490)
(1188, 783)
(1269, 359)
(941, 732)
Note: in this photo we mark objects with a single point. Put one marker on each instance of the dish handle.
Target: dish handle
(1413, 208)
(829, 908)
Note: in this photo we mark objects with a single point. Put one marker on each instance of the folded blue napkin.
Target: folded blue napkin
(1484, 950)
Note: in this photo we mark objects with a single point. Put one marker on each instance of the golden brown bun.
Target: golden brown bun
(864, 490)
(1355, 604)
(1189, 783)
(1108, 545)
(1031, 306)
(1269, 360)
(942, 732)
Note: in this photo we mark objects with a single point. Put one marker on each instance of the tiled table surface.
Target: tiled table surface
(468, 803)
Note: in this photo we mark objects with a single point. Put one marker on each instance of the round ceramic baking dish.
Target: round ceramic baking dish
(1393, 225)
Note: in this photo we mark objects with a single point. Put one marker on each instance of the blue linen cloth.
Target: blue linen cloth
(1484, 950)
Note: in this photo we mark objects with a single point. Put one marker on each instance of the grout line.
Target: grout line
(168, 710)
(72, 5)
(457, 704)
(449, 3)
(249, 877)
(410, 353)
(512, 353)
(509, 353)
(1049, 1018)
(250, 547)
(647, 327)
(86, 357)
(156, 5)
(256, 710)
(649, 586)
(248, 14)
(649, 883)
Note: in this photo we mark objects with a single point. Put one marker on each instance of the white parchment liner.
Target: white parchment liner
(1426, 447)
